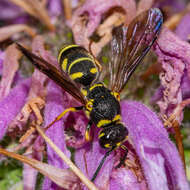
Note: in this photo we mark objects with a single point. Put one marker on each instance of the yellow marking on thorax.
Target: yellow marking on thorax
(64, 49)
(78, 60)
(94, 86)
(116, 95)
(89, 105)
(76, 75)
(84, 92)
(103, 122)
(93, 70)
(64, 64)
(117, 117)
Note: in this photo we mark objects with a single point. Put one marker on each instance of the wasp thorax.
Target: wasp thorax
(113, 135)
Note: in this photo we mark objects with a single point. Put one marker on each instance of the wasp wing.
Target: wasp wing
(131, 44)
(61, 78)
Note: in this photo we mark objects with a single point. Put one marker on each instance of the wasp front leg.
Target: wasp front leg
(71, 109)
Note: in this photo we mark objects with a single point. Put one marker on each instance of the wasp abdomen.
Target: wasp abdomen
(78, 63)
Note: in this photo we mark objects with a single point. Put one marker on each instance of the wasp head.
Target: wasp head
(113, 135)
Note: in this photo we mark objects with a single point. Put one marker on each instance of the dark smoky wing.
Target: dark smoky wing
(117, 47)
(130, 45)
(62, 79)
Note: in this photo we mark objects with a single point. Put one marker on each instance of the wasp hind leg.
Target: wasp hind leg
(71, 109)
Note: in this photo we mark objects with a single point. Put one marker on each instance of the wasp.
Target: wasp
(79, 76)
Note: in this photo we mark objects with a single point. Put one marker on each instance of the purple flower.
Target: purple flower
(11, 105)
(183, 28)
(150, 146)
(153, 161)
(176, 68)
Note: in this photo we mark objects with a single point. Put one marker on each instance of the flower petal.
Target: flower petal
(183, 28)
(11, 105)
(88, 159)
(54, 106)
(175, 60)
(159, 158)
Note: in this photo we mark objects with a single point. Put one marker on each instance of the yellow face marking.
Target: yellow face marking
(101, 135)
(103, 122)
(78, 60)
(94, 86)
(93, 70)
(117, 117)
(107, 146)
(64, 49)
(76, 75)
(64, 64)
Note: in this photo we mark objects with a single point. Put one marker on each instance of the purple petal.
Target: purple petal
(8, 10)
(88, 158)
(183, 28)
(2, 57)
(154, 148)
(79, 122)
(175, 60)
(10, 66)
(29, 177)
(175, 6)
(125, 179)
(11, 105)
(55, 7)
(54, 106)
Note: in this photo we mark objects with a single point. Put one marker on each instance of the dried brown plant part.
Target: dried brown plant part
(173, 21)
(32, 105)
(74, 168)
(64, 178)
(37, 9)
(8, 31)
(104, 30)
(28, 133)
(144, 5)
(67, 9)
(10, 66)
(174, 122)
(133, 164)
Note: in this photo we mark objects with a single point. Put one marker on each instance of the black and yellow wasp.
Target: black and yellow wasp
(80, 71)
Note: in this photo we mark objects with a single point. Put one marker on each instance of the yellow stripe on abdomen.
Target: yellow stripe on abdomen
(64, 49)
(76, 75)
(77, 61)
(64, 64)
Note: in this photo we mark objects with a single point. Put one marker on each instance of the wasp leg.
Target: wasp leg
(101, 163)
(123, 158)
(87, 132)
(72, 109)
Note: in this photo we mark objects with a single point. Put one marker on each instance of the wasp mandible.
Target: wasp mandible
(80, 72)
